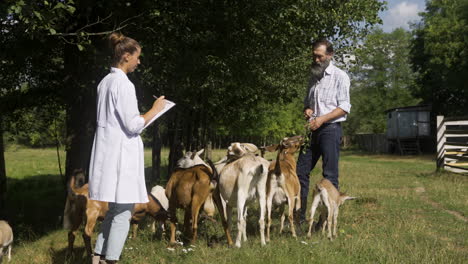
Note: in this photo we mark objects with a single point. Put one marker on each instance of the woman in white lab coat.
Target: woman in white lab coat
(116, 173)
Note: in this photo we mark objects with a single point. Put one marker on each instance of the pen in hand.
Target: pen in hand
(159, 103)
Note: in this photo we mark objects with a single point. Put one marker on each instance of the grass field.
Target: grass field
(406, 213)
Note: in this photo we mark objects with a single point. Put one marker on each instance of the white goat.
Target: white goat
(6, 239)
(326, 193)
(242, 177)
(191, 159)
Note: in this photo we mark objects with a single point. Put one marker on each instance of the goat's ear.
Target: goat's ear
(200, 152)
(271, 148)
(250, 147)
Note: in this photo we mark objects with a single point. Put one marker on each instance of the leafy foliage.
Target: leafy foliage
(232, 67)
(440, 56)
(382, 79)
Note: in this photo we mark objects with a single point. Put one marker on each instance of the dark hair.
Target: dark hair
(120, 44)
(323, 41)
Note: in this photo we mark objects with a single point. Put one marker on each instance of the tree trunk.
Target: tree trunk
(176, 146)
(156, 154)
(80, 132)
(208, 151)
(3, 179)
(81, 110)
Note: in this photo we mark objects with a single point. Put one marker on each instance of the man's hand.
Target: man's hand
(308, 113)
(316, 123)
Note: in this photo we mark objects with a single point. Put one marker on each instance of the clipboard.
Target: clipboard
(166, 108)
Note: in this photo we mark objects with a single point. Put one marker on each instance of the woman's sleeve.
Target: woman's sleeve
(127, 109)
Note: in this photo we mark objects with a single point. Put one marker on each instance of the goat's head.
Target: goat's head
(292, 144)
(237, 149)
(191, 159)
(287, 145)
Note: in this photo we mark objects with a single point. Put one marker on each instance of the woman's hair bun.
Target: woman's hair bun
(115, 38)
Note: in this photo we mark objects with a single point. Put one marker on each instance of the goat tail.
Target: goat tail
(214, 177)
(69, 205)
(71, 188)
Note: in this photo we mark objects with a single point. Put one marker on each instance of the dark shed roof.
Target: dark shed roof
(410, 108)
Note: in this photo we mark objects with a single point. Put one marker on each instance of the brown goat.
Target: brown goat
(283, 183)
(80, 208)
(188, 189)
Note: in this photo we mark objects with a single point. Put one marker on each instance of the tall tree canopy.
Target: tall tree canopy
(440, 56)
(229, 65)
(382, 79)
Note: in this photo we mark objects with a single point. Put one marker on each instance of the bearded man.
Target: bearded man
(326, 105)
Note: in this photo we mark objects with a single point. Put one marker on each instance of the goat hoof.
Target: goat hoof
(172, 245)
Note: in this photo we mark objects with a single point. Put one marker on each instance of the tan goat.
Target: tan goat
(325, 193)
(283, 183)
(79, 208)
(188, 189)
(191, 159)
(6, 239)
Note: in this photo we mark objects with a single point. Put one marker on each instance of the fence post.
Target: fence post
(440, 142)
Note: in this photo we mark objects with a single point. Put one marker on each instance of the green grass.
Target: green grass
(402, 216)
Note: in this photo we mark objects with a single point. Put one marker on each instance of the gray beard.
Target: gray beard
(318, 69)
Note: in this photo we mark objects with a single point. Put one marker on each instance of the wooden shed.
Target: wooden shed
(407, 128)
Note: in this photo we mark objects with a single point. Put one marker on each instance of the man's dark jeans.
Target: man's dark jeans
(325, 143)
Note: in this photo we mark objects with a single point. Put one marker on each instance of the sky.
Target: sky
(400, 12)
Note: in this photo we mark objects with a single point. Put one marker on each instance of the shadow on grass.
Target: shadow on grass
(61, 256)
(438, 174)
(35, 204)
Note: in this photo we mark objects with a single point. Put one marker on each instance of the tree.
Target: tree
(382, 78)
(222, 62)
(440, 56)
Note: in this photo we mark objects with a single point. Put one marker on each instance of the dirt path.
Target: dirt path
(422, 192)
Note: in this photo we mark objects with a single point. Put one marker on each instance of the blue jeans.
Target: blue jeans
(114, 231)
(325, 143)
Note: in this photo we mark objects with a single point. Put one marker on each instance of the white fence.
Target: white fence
(452, 144)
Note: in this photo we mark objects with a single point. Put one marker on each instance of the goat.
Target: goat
(188, 189)
(326, 193)
(6, 239)
(283, 184)
(157, 208)
(191, 159)
(242, 176)
(79, 208)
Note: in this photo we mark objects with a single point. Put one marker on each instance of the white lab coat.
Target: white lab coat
(117, 171)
